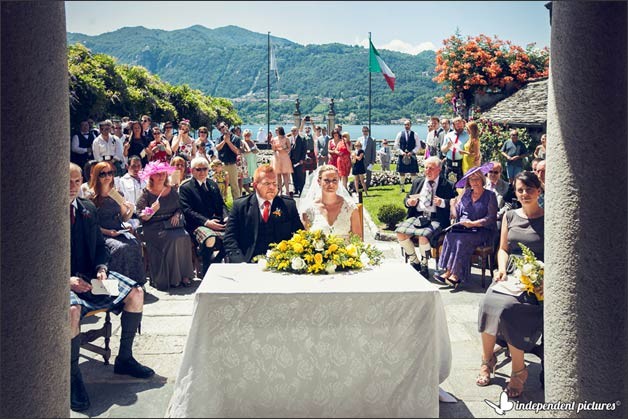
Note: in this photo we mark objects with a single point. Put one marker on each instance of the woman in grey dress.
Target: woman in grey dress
(169, 245)
(517, 319)
(125, 249)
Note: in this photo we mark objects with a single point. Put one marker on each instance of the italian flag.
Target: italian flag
(377, 65)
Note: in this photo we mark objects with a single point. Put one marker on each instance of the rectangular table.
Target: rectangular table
(372, 343)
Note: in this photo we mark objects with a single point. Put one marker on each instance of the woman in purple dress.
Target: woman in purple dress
(476, 214)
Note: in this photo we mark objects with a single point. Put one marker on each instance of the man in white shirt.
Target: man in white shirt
(107, 147)
(82, 145)
(453, 143)
(130, 185)
(261, 137)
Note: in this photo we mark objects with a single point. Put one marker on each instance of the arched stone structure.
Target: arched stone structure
(586, 347)
(35, 342)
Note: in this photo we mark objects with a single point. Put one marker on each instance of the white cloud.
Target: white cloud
(400, 46)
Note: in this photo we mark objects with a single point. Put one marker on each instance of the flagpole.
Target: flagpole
(369, 67)
(268, 90)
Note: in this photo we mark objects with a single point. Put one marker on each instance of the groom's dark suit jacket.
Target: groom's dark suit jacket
(245, 220)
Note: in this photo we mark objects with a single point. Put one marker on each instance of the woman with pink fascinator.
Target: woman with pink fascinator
(169, 249)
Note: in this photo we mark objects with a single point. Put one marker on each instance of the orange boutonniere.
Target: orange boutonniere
(277, 213)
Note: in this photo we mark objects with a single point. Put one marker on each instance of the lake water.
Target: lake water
(379, 132)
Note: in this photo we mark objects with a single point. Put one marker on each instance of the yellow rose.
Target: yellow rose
(352, 251)
(282, 247)
(318, 258)
(298, 247)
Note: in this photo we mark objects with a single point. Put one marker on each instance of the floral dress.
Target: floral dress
(343, 162)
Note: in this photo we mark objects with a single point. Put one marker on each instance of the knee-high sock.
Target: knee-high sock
(129, 323)
(75, 348)
(426, 250)
(408, 246)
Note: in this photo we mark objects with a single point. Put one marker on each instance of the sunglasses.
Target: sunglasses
(202, 132)
(494, 172)
(103, 175)
(201, 169)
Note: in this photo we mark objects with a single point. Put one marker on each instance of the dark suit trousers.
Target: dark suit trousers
(298, 178)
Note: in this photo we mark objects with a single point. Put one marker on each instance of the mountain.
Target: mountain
(231, 62)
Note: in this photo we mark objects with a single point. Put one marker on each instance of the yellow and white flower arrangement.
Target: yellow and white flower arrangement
(314, 252)
(531, 272)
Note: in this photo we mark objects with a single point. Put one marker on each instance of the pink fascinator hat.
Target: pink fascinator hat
(154, 168)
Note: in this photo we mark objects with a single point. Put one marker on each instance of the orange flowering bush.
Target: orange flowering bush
(481, 63)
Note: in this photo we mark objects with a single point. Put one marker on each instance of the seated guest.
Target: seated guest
(181, 172)
(204, 211)
(130, 185)
(159, 147)
(504, 191)
(428, 213)
(260, 219)
(476, 215)
(517, 319)
(540, 172)
(88, 259)
(169, 250)
(125, 249)
(85, 191)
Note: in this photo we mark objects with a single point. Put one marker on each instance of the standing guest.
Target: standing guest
(534, 163)
(336, 138)
(136, 145)
(228, 149)
(281, 159)
(205, 212)
(183, 144)
(180, 173)
(203, 146)
(476, 215)
(309, 163)
(243, 169)
(159, 147)
(384, 155)
(540, 150)
(260, 219)
(130, 185)
(406, 142)
(261, 137)
(124, 248)
(514, 151)
(453, 143)
(106, 147)
(147, 133)
(168, 134)
(471, 151)
(435, 138)
(297, 157)
(343, 162)
(446, 126)
(428, 139)
(221, 177)
(540, 172)
(88, 259)
(168, 244)
(119, 133)
(82, 145)
(370, 155)
(359, 170)
(249, 152)
(517, 317)
(322, 144)
(428, 213)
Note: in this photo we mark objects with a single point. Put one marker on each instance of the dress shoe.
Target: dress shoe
(439, 278)
(79, 400)
(133, 368)
(424, 271)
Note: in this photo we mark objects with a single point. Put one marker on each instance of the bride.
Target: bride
(324, 208)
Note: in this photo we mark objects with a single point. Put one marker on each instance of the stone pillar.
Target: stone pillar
(296, 116)
(331, 118)
(586, 347)
(35, 343)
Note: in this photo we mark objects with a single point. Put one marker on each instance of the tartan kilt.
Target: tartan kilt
(407, 227)
(203, 233)
(90, 302)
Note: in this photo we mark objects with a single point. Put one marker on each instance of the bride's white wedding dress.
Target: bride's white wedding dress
(341, 226)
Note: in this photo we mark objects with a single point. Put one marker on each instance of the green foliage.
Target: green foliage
(231, 62)
(100, 88)
(391, 214)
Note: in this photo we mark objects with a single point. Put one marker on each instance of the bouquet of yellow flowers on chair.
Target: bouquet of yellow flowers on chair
(314, 252)
(531, 272)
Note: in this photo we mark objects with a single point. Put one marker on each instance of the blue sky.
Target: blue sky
(406, 26)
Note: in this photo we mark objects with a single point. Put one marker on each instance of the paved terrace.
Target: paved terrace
(167, 319)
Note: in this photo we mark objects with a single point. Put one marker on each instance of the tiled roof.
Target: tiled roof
(527, 106)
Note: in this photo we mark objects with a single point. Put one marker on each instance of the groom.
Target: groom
(260, 219)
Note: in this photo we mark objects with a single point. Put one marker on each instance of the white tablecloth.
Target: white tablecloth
(362, 344)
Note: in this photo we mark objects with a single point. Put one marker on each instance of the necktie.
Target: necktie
(72, 215)
(266, 212)
(431, 183)
(453, 152)
(205, 187)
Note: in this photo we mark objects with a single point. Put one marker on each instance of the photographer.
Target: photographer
(228, 148)
(311, 152)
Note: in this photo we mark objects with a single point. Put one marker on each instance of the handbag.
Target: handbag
(168, 226)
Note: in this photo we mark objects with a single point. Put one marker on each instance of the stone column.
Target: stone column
(296, 116)
(331, 118)
(586, 223)
(35, 343)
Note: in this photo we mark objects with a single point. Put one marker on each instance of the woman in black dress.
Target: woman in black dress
(359, 170)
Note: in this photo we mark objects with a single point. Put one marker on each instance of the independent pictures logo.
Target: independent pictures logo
(505, 405)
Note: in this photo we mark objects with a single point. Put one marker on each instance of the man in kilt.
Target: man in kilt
(428, 213)
(89, 257)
